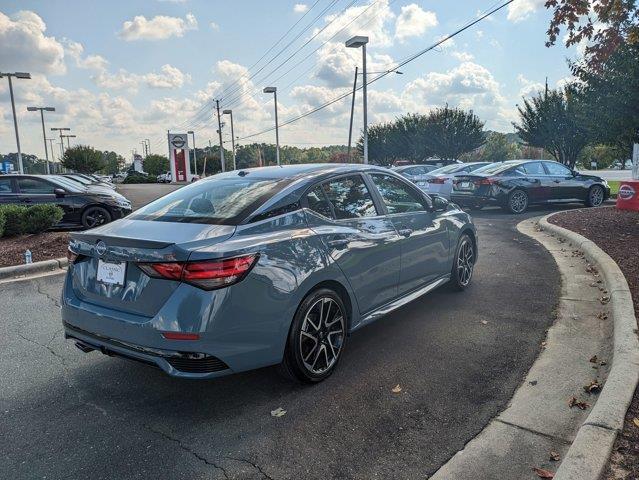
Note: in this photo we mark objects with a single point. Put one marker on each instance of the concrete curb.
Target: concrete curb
(588, 455)
(18, 271)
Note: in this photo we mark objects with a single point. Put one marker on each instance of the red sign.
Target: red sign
(180, 165)
(628, 195)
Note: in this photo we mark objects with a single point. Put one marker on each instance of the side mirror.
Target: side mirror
(440, 204)
(59, 192)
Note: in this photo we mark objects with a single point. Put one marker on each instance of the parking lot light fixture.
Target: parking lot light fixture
(356, 42)
(194, 151)
(24, 76)
(273, 90)
(44, 134)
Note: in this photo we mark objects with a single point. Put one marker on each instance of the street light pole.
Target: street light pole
(26, 76)
(219, 131)
(230, 112)
(350, 126)
(356, 42)
(148, 148)
(51, 140)
(194, 151)
(44, 135)
(273, 90)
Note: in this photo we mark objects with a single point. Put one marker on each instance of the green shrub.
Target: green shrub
(14, 219)
(139, 178)
(40, 218)
(3, 220)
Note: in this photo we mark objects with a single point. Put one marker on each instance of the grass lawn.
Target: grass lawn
(614, 187)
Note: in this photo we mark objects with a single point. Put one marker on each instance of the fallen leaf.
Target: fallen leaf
(541, 473)
(593, 387)
(278, 412)
(484, 322)
(397, 389)
(605, 299)
(593, 359)
(554, 456)
(573, 402)
(543, 344)
(602, 316)
(636, 422)
(603, 364)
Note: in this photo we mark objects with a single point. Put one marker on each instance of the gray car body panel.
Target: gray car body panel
(246, 325)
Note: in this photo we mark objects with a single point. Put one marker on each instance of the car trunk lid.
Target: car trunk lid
(106, 272)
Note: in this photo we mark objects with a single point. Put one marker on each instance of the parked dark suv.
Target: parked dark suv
(83, 206)
(516, 184)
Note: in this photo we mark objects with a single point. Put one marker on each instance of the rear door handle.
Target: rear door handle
(405, 232)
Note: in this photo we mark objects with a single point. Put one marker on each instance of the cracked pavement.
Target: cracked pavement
(66, 414)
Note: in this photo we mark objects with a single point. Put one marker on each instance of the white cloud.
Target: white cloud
(413, 21)
(75, 50)
(25, 47)
(520, 10)
(300, 8)
(462, 56)
(214, 26)
(169, 78)
(158, 28)
(528, 88)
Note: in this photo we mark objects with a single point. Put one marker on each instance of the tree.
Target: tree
(451, 132)
(83, 159)
(155, 164)
(604, 24)
(604, 155)
(113, 163)
(497, 149)
(553, 120)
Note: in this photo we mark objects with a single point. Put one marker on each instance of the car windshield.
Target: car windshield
(494, 168)
(219, 201)
(66, 184)
(447, 169)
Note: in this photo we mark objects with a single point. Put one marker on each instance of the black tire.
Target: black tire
(95, 216)
(596, 195)
(299, 354)
(517, 201)
(463, 263)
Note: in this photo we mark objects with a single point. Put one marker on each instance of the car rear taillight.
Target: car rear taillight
(180, 336)
(486, 181)
(205, 274)
(437, 180)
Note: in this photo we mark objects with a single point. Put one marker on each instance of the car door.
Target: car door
(536, 182)
(563, 184)
(364, 243)
(33, 191)
(8, 193)
(425, 242)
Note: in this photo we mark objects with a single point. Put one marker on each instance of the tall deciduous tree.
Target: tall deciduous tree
(155, 164)
(113, 163)
(83, 159)
(451, 132)
(554, 120)
(498, 149)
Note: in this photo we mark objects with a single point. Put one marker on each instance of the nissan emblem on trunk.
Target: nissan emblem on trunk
(100, 247)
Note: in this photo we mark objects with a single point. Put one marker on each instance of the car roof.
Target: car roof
(305, 170)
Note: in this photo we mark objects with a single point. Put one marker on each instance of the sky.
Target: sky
(119, 72)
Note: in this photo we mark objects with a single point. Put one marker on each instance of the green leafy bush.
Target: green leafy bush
(139, 178)
(14, 219)
(39, 218)
(19, 219)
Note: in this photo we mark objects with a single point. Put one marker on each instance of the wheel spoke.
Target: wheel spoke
(321, 334)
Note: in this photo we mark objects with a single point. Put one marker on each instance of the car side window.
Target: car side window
(318, 202)
(557, 169)
(34, 186)
(349, 197)
(397, 196)
(534, 168)
(5, 186)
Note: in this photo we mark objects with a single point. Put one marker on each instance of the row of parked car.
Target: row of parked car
(87, 200)
(513, 185)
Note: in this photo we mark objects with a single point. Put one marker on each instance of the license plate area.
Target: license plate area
(111, 273)
(464, 185)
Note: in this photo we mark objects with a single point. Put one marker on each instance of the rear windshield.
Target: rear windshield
(452, 168)
(495, 168)
(218, 201)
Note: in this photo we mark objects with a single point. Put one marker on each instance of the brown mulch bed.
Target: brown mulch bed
(617, 233)
(43, 246)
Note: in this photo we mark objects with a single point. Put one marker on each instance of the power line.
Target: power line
(392, 70)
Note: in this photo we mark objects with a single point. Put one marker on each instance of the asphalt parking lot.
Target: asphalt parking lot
(458, 358)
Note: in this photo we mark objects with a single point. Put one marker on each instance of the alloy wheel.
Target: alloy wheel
(596, 196)
(465, 262)
(518, 201)
(322, 335)
(95, 218)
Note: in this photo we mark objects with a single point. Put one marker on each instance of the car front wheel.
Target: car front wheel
(595, 196)
(316, 338)
(463, 264)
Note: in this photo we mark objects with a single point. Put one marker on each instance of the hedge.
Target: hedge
(139, 178)
(19, 219)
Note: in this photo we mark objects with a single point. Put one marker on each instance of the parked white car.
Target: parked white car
(440, 181)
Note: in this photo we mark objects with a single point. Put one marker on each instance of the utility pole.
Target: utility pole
(44, 135)
(25, 76)
(144, 148)
(219, 131)
(350, 127)
(230, 112)
(148, 148)
(194, 151)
